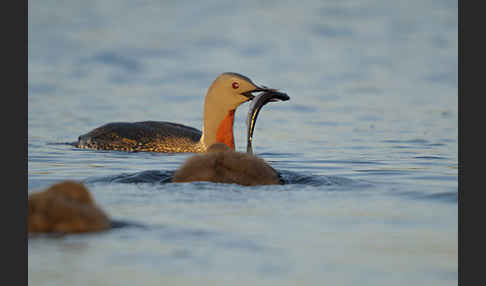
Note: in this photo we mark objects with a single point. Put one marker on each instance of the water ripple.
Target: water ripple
(164, 177)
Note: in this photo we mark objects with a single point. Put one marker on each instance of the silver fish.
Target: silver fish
(256, 105)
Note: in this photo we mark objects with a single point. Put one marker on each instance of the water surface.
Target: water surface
(367, 143)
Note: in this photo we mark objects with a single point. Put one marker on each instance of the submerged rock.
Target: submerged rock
(66, 207)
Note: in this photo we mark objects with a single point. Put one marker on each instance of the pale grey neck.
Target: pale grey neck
(213, 115)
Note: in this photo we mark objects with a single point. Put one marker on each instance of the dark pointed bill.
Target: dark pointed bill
(262, 88)
(268, 95)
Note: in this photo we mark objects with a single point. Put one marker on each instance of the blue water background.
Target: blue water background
(368, 138)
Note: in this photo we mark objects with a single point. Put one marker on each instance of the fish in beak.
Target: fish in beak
(258, 101)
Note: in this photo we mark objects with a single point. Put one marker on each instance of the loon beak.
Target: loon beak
(262, 88)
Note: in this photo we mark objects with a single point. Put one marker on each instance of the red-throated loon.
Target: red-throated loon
(225, 94)
(222, 165)
(65, 207)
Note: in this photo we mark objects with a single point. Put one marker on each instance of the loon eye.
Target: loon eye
(235, 85)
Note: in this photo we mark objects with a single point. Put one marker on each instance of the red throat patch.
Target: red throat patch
(225, 130)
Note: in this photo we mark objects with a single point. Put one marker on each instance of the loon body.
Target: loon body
(151, 136)
(222, 165)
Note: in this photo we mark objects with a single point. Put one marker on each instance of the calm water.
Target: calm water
(367, 142)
